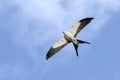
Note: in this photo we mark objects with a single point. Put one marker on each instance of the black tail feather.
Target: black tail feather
(80, 41)
(76, 49)
(76, 46)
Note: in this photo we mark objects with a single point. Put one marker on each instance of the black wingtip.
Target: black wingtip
(89, 19)
(47, 57)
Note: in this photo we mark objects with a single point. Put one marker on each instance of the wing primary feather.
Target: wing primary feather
(56, 47)
(85, 19)
(77, 27)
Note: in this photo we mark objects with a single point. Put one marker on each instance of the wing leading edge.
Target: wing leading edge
(56, 47)
(77, 27)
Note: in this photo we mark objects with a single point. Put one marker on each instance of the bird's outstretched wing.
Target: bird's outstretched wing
(77, 27)
(56, 47)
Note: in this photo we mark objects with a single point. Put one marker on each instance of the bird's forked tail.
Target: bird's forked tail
(76, 46)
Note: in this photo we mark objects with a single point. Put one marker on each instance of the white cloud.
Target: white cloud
(56, 14)
(34, 23)
(31, 18)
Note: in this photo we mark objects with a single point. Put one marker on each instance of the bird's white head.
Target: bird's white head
(64, 32)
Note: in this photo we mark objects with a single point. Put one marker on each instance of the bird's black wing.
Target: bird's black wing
(56, 47)
(77, 27)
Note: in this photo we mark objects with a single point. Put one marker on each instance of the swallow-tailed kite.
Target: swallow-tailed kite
(69, 36)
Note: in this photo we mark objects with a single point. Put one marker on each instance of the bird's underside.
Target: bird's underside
(69, 36)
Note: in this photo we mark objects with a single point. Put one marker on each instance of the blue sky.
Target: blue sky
(28, 28)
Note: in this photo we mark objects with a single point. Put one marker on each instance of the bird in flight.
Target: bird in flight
(69, 37)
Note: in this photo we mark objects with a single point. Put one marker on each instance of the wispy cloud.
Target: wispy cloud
(30, 19)
(36, 22)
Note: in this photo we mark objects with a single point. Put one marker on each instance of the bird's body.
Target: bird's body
(69, 36)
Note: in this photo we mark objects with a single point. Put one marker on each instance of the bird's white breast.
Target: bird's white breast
(69, 37)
